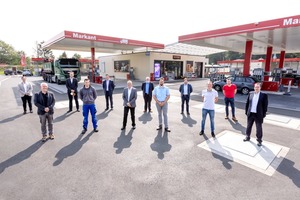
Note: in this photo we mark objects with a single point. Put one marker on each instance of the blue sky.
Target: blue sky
(25, 22)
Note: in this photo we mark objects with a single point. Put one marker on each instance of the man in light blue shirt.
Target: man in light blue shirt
(147, 88)
(161, 96)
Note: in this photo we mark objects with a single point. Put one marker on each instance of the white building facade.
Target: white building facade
(153, 65)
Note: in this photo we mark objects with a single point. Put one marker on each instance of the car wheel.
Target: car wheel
(245, 91)
(217, 87)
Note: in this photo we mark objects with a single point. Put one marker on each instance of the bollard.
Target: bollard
(288, 92)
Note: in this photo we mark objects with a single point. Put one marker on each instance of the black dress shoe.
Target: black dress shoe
(31, 111)
(83, 131)
(159, 128)
(181, 113)
(213, 134)
(133, 127)
(246, 139)
(167, 130)
(259, 144)
(123, 128)
(201, 133)
(150, 111)
(24, 112)
(106, 108)
(69, 111)
(78, 110)
(96, 130)
(188, 113)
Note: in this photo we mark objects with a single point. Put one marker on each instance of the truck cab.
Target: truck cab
(58, 70)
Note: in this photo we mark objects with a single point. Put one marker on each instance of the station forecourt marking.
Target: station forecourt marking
(230, 145)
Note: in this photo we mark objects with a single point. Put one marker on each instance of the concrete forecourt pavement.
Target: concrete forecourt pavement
(145, 163)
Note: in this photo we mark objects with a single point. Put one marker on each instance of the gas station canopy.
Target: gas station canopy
(75, 41)
(282, 34)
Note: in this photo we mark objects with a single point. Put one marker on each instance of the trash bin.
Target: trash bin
(151, 76)
(128, 77)
(98, 79)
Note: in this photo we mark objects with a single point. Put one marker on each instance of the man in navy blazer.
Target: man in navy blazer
(108, 88)
(147, 88)
(256, 110)
(129, 102)
(72, 85)
(185, 89)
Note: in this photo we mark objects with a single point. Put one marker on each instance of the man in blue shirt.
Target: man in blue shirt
(161, 96)
(147, 88)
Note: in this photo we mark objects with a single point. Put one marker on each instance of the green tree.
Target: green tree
(63, 55)
(76, 56)
(43, 52)
(226, 55)
(8, 55)
(231, 55)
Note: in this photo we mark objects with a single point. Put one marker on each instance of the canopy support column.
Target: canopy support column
(268, 62)
(281, 60)
(248, 53)
(93, 64)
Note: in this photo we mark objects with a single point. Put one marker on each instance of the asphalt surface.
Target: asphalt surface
(136, 164)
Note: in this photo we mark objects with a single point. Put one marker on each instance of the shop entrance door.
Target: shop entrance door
(170, 69)
(199, 69)
(174, 69)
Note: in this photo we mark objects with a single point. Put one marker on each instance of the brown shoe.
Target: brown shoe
(226, 117)
(51, 136)
(234, 119)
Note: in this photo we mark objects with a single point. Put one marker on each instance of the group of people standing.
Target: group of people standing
(255, 109)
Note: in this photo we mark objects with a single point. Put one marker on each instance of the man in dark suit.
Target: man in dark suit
(72, 85)
(185, 89)
(256, 110)
(108, 88)
(147, 88)
(129, 98)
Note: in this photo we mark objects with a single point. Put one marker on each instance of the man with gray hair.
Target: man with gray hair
(147, 88)
(45, 101)
(129, 98)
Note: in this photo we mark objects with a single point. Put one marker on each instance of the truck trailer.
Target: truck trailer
(57, 71)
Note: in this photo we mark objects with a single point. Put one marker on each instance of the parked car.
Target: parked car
(8, 72)
(244, 84)
(27, 73)
(12, 72)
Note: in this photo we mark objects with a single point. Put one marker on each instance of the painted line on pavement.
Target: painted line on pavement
(4, 80)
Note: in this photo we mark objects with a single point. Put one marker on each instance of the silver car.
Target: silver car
(244, 84)
(27, 73)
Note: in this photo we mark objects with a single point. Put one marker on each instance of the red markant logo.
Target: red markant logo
(23, 60)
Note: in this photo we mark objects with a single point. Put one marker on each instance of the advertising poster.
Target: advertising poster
(121, 66)
(156, 70)
(189, 66)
